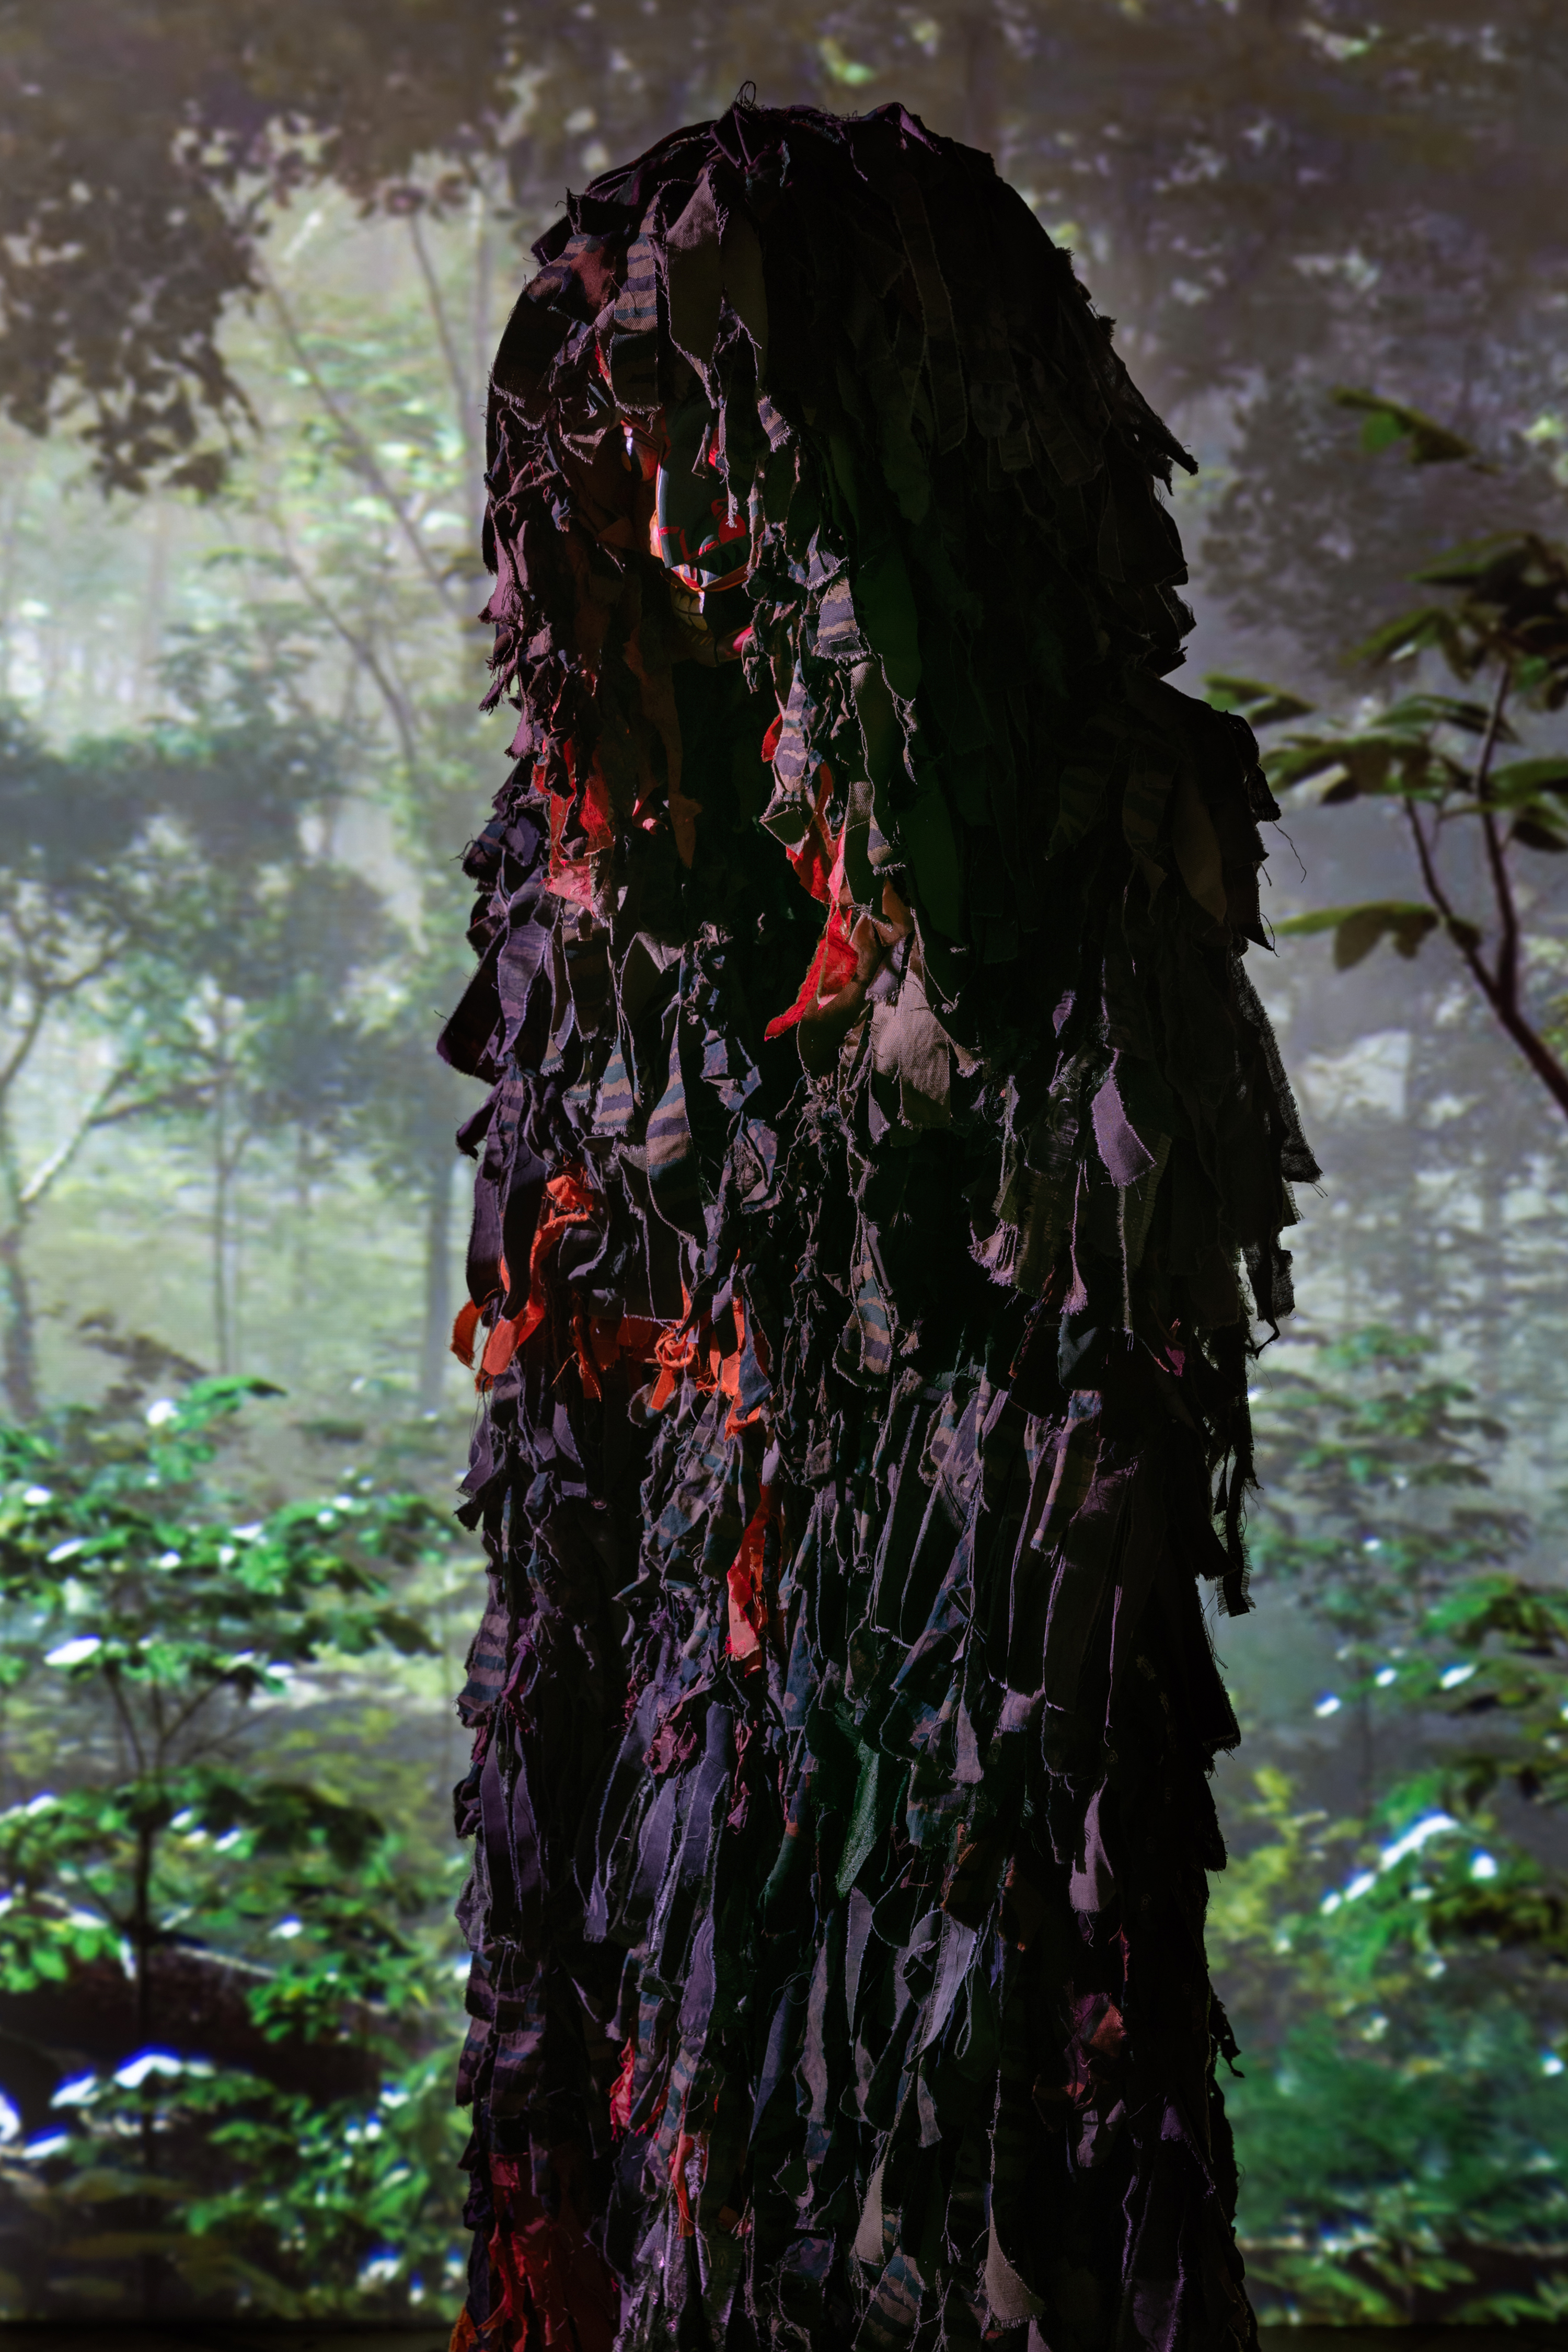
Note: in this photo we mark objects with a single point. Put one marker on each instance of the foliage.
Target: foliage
(1384, 2189)
(169, 1635)
(1400, 1973)
(164, 1624)
(1433, 757)
(262, 2199)
(1350, 1452)
(1402, 2116)
(1275, 204)
(1389, 421)
(1220, 155)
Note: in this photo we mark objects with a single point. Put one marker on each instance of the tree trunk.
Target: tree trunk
(142, 1932)
(483, 296)
(16, 1342)
(225, 1338)
(142, 1946)
(300, 1269)
(18, 1357)
(435, 1340)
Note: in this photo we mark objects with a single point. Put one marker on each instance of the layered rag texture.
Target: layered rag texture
(885, 1162)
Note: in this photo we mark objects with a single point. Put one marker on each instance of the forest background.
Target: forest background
(253, 261)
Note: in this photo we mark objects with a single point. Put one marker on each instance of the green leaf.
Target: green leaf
(1388, 421)
(1533, 836)
(1409, 928)
(1413, 633)
(1301, 927)
(1427, 710)
(843, 68)
(1488, 564)
(1260, 705)
(1293, 764)
(1380, 761)
(1357, 929)
(1358, 935)
(1522, 779)
(1379, 431)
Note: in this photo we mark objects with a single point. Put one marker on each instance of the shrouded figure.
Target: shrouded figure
(885, 1164)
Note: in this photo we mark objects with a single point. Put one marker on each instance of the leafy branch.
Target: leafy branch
(358, 453)
(1504, 616)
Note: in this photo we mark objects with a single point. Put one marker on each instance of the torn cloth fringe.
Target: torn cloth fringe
(885, 1159)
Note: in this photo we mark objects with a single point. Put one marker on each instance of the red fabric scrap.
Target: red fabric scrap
(569, 877)
(748, 1590)
(557, 2292)
(814, 857)
(621, 2092)
(835, 962)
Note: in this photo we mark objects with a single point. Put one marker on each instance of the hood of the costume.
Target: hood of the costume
(834, 378)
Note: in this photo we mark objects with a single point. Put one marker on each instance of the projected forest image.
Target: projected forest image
(255, 264)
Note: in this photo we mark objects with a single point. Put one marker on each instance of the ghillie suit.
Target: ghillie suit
(882, 1120)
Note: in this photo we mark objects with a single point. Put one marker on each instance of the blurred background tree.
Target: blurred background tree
(253, 262)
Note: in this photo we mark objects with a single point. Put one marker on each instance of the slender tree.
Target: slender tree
(1438, 761)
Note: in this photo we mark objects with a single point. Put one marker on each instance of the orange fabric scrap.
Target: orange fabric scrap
(569, 1201)
(465, 1324)
(603, 1340)
(686, 2147)
(673, 1352)
(712, 1364)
